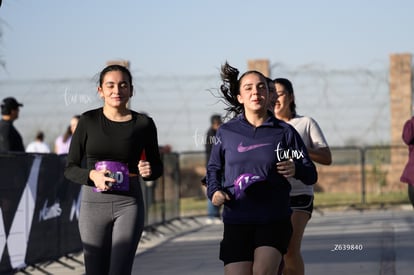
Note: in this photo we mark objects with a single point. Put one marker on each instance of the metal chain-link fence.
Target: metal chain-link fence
(351, 106)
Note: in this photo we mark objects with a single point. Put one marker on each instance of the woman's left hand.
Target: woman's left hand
(144, 168)
(286, 168)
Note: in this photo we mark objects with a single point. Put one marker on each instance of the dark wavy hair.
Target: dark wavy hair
(289, 89)
(230, 88)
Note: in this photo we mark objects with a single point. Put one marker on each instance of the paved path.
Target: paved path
(335, 242)
(194, 252)
(352, 242)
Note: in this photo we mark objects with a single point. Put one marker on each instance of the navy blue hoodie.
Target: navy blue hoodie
(242, 148)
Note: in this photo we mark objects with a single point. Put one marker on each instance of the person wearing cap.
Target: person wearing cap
(256, 154)
(10, 138)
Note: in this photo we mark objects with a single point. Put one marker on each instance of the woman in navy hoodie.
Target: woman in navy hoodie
(256, 154)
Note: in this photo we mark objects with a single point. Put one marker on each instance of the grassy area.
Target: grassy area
(193, 206)
(339, 199)
(198, 206)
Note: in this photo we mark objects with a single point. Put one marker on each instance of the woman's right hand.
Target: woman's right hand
(219, 197)
(286, 168)
(100, 180)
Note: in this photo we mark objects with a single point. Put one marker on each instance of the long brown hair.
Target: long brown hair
(289, 89)
(230, 88)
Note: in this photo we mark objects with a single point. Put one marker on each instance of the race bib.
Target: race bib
(119, 172)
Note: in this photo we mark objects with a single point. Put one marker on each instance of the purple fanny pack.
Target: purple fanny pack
(119, 172)
(243, 182)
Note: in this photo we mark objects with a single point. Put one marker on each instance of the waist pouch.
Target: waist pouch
(244, 182)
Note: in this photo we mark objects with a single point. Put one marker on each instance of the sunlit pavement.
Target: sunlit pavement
(350, 241)
(347, 242)
(360, 242)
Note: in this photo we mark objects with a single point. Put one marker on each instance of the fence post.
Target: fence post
(177, 176)
(363, 175)
(163, 206)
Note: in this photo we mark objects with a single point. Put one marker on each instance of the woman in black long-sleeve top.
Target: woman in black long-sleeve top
(119, 145)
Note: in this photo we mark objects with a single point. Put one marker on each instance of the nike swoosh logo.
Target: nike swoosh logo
(242, 149)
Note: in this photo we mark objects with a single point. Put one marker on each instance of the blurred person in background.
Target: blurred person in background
(408, 173)
(10, 138)
(213, 212)
(38, 145)
(62, 142)
(301, 195)
(120, 146)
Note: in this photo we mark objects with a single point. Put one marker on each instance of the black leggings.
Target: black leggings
(110, 233)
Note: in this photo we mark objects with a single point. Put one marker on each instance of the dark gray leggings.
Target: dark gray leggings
(110, 233)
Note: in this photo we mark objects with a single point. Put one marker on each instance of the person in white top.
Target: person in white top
(38, 145)
(301, 195)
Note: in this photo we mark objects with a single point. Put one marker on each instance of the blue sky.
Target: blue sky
(176, 48)
(60, 39)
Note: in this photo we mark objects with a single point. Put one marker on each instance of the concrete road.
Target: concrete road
(342, 242)
(354, 242)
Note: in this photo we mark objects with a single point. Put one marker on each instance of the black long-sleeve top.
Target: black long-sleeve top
(97, 138)
(10, 139)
